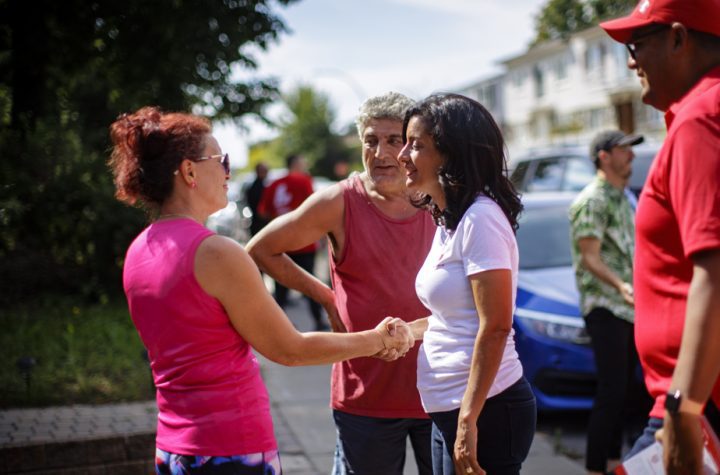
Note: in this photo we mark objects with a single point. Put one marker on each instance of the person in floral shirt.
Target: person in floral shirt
(602, 232)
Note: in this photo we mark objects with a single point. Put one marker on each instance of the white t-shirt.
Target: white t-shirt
(483, 240)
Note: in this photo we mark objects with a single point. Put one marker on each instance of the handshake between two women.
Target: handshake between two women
(397, 338)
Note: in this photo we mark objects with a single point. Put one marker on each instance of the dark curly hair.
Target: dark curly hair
(148, 146)
(472, 146)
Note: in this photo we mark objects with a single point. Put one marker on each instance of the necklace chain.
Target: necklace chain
(175, 215)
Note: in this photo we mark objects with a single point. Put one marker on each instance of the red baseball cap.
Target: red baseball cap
(699, 15)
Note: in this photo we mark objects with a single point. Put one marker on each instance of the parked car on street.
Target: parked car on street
(570, 169)
(231, 221)
(550, 331)
(550, 334)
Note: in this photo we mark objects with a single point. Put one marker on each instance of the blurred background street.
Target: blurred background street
(276, 78)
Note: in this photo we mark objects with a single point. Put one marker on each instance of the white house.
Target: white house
(564, 92)
(489, 92)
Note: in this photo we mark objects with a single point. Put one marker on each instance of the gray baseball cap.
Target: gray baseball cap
(612, 138)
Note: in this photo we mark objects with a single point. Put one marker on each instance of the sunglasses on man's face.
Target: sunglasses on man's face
(632, 44)
(224, 161)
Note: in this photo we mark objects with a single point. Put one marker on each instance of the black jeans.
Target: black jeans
(506, 428)
(377, 445)
(621, 397)
(307, 262)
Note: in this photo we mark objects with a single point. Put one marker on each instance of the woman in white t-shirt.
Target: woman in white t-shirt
(469, 376)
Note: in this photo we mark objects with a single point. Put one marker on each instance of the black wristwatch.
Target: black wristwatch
(675, 402)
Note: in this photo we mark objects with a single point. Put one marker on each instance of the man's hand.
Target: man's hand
(397, 338)
(334, 317)
(626, 290)
(682, 439)
(387, 355)
(328, 304)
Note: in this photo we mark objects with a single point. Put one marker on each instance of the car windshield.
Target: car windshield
(544, 238)
(641, 166)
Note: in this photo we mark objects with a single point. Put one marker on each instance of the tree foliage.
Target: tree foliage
(307, 130)
(560, 18)
(67, 69)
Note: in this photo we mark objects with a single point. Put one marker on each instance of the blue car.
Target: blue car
(550, 334)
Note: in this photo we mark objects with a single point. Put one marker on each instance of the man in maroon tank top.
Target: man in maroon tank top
(377, 242)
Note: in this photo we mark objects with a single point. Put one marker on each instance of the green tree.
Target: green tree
(558, 19)
(67, 69)
(307, 129)
(606, 9)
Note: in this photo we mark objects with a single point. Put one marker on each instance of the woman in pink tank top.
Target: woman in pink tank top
(200, 306)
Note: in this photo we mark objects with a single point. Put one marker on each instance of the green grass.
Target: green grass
(84, 354)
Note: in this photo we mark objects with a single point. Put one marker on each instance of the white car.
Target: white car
(570, 168)
(234, 220)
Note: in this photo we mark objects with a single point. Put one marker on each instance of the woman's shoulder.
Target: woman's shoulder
(484, 207)
(216, 246)
(485, 214)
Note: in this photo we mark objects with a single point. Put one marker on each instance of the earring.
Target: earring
(193, 185)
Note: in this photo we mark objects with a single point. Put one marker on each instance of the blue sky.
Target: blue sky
(352, 49)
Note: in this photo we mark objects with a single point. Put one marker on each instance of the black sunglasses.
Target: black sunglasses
(224, 161)
(632, 45)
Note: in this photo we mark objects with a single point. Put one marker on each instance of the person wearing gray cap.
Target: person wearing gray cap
(674, 48)
(602, 231)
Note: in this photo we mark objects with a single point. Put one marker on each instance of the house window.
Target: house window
(560, 68)
(539, 82)
(518, 79)
(489, 97)
(596, 118)
(621, 57)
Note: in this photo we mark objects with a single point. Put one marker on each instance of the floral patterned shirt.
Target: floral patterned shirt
(603, 212)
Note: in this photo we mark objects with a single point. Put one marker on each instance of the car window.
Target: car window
(578, 173)
(518, 175)
(544, 238)
(548, 175)
(641, 167)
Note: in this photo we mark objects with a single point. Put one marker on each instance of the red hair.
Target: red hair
(148, 146)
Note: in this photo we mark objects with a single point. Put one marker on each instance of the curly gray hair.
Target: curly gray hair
(391, 105)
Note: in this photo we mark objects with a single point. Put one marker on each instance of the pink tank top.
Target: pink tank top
(374, 278)
(210, 396)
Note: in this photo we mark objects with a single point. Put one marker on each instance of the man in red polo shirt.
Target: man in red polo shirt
(674, 47)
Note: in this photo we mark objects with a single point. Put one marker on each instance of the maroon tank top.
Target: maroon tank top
(374, 277)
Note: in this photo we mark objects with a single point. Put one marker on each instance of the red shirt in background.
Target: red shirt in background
(678, 216)
(283, 196)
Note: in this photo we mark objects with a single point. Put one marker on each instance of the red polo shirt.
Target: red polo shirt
(678, 216)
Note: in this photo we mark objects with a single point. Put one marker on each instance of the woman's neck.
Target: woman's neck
(173, 211)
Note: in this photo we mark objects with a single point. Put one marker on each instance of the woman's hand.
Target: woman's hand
(396, 337)
(465, 450)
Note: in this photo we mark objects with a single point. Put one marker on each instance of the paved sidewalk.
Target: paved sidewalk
(306, 433)
(30, 438)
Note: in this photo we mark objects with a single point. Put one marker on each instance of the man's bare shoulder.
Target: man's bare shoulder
(332, 192)
(325, 207)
